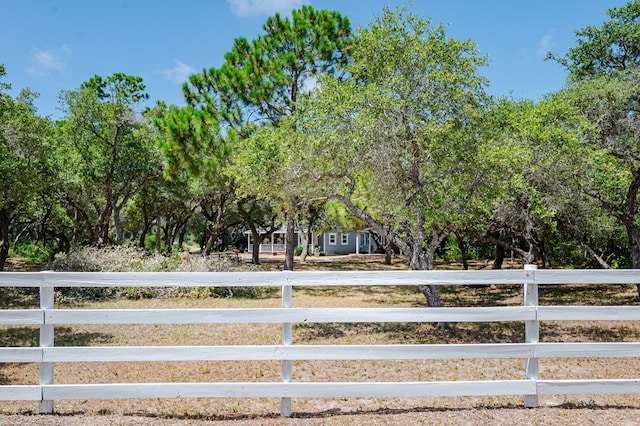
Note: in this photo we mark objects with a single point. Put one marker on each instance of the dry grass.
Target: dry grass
(565, 410)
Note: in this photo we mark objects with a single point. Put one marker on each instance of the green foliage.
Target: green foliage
(614, 46)
(250, 97)
(395, 141)
(389, 124)
(32, 252)
(28, 172)
(118, 88)
(107, 151)
(532, 149)
(271, 71)
(604, 72)
(190, 138)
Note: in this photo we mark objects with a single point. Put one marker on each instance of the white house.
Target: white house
(276, 242)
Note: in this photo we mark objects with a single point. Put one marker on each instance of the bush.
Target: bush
(131, 259)
(108, 259)
(218, 264)
(297, 251)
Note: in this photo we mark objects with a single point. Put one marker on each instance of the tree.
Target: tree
(613, 157)
(262, 79)
(530, 149)
(604, 77)
(25, 168)
(196, 154)
(395, 142)
(614, 46)
(110, 152)
(281, 181)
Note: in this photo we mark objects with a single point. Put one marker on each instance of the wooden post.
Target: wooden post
(46, 340)
(532, 335)
(286, 367)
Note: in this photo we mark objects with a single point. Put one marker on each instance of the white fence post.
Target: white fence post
(46, 340)
(287, 339)
(531, 335)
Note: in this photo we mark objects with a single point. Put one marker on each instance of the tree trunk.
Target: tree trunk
(290, 236)
(61, 241)
(101, 231)
(529, 257)
(634, 248)
(208, 245)
(158, 233)
(462, 246)
(215, 225)
(255, 234)
(388, 252)
(142, 241)
(75, 238)
(305, 246)
(497, 263)
(423, 261)
(419, 259)
(5, 218)
(169, 237)
(181, 235)
(117, 223)
(289, 242)
(255, 250)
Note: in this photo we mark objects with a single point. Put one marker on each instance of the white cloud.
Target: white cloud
(45, 61)
(546, 43)
(248, 8)
(179, 73)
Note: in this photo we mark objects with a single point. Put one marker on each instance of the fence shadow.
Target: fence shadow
(64, 336)
(336, 413)
(413, 333)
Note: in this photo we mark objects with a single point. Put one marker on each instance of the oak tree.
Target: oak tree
(604, 83)
(395, 142)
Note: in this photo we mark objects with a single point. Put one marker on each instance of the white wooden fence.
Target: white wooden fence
(47, 317)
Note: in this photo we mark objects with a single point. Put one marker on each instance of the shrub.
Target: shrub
(131, 259)
(218, 264)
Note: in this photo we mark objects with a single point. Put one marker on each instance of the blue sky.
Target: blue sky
(55, 45)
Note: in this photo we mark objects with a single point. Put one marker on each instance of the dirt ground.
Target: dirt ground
(554, 410)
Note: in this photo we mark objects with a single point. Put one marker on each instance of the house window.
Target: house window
(345, 239)
(333, 238)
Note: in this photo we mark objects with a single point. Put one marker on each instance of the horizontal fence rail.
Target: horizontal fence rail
(47, 317)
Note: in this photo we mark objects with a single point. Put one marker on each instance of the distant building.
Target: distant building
(329, 243)
(346, 242)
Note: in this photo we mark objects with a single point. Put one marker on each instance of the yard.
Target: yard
(565, 410)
